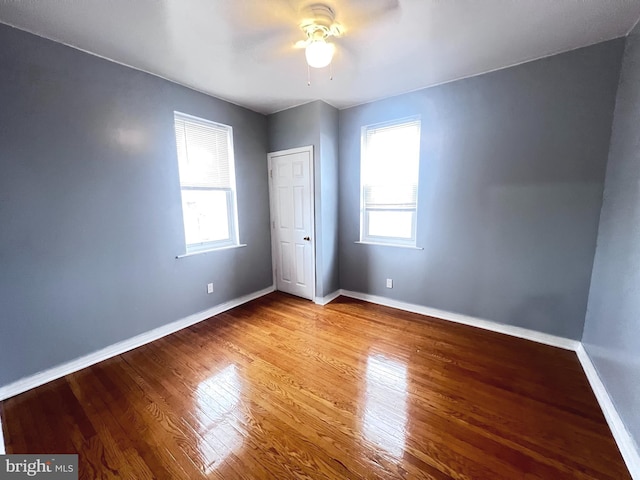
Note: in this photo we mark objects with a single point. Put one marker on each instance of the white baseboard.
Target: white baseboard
(32, 381)
(623, 438)
(2, 450)
(545, 338)
(327, 298)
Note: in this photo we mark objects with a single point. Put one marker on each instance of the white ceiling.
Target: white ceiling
(242, 50)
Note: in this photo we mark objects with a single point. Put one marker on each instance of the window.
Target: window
(207, 183)
(389, 182)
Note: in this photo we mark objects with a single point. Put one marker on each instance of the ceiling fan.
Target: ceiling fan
(270, 28)
(319, 25)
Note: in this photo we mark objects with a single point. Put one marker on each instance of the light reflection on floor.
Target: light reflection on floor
(385, 416)
(218, 397)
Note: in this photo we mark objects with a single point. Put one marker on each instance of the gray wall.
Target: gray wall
(316, 124)
(329, 181)
(511, 175)
(90, 205)
(612, 328)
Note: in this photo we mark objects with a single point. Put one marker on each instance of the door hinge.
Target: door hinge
(271, 173)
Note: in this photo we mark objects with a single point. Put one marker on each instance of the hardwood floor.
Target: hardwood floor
(282, 388)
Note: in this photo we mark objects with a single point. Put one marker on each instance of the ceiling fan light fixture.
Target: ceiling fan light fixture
(319, 53)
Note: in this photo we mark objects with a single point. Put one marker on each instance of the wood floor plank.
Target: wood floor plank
(282, 388)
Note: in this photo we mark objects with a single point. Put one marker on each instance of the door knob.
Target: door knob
(306, 238)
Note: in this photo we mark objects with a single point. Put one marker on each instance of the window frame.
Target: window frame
(231, 192)
(365, 237)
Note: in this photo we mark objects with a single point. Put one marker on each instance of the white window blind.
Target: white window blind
(207, 182)
(389, 180)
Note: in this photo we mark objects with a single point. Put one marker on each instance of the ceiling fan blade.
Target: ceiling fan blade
(359, 14)
(256, 23)
(267, 36)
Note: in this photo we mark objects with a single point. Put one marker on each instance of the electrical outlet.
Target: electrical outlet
(389, 283)
(209, 287)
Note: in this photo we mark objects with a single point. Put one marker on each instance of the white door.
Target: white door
(291, 192)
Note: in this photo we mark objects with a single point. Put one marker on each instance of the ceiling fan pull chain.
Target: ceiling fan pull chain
(330, 71)
(308, 76)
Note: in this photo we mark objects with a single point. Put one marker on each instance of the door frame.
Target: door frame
(272, 229)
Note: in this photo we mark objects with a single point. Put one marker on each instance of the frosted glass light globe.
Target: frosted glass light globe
(319, 53)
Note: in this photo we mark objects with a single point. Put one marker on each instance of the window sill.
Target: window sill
(410, 247)
(209, 250)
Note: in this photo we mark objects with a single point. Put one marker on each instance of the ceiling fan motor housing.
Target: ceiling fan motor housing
(319, 22)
